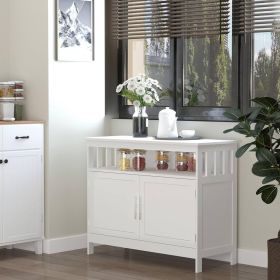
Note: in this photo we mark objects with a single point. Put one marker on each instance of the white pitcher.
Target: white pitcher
(167, 126)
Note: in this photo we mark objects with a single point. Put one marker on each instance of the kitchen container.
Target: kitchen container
(19, 84)
(124, 159)
(7, 111)
(18, 92)
(191, 162)
(19, 106)
(162, 160)
(181, 161)
(139, 160)
(6, 89)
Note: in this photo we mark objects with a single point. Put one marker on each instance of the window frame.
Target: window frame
(241, 79)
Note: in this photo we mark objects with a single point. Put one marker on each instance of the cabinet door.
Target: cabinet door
(22, 195)
(1, 137)
(113, 204)
(1, 184)
(168, 211)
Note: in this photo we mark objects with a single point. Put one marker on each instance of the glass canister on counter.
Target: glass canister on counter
(139, 160)
(7, 89)
(124, 159)
(162, 160)
(181, 161)
(191, 162)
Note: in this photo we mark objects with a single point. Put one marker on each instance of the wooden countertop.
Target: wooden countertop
(20, 122)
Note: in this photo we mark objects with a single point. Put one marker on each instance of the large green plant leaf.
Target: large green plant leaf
(259, 127)
(268, 192)
(240, 152)
(264, 169)
(233, 114)
(243, 128)
(228, 130)
(264, 155)
(254, 114)
(263, 139)
(269, 179)
(267, 102)
(275, 117)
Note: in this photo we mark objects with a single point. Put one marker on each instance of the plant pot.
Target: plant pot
(273, 272)
(140, 122)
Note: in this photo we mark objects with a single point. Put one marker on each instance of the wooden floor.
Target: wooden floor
(116, 264)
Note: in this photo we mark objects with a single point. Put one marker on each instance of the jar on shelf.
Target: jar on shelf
(191, 162)
(124, 161)
(162, 160)
(181, 161)
(139, 160)
(6, 89)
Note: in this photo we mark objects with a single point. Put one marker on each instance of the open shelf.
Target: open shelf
(212, 158)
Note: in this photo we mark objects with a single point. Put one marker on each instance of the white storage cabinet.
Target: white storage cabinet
(188, 214)
(21, 185)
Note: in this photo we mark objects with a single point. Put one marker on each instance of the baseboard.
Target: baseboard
(252, 257)
(63, 244)
(247, 257)
(75, 242)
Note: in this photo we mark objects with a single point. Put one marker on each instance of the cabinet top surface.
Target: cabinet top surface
(153, 140)
(20, 122)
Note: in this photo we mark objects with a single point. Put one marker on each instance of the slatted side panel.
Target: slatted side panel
(217, 162)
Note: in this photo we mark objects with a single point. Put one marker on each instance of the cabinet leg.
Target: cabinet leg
(233, 258)
(90, 248)
(198, 265)
(38, 245)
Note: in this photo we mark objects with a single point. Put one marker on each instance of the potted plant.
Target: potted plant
(262, 127)
(142, 92)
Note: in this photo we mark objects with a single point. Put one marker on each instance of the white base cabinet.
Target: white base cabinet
(176, 213)
(21, 185)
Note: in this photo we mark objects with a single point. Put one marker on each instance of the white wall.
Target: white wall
(28, 53)
(69, 97)
(257, 221)
(76, 111)
(4, 32)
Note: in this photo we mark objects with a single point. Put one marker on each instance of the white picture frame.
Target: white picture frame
(75, 30)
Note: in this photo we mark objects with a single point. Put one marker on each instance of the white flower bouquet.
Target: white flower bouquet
(141, 91)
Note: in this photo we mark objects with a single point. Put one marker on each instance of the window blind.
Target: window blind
(253, 16)
(136, 19)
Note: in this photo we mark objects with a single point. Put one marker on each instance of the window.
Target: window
(204, 75)
(152, 57)
(266, 65)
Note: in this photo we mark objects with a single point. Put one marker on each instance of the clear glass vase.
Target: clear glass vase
(140, 122)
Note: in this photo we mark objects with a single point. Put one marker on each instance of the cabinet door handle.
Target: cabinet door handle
(135, 207)
(1, 161)
(6, 161)
(140, 208)
(22, 137)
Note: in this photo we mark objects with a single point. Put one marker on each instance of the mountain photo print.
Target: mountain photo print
(75, 30)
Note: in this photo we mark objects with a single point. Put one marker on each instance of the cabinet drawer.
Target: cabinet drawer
(22, 137)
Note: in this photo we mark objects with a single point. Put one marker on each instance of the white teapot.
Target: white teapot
(167, 126)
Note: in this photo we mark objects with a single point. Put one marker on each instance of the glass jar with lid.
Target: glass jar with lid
(139, 160)
(191, 162)
(162, 160)
(124, 159)
(181, 161)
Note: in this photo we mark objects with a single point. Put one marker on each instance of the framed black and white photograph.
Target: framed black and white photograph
(75, 38)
